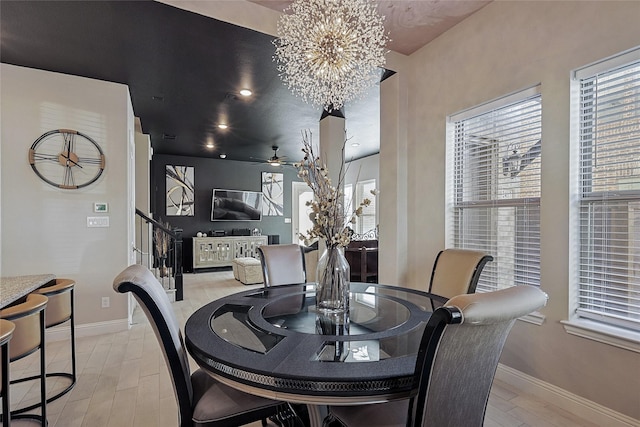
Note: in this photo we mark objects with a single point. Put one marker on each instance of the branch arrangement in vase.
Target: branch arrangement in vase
(330, 215)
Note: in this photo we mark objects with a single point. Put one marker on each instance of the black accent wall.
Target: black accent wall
(217, 173)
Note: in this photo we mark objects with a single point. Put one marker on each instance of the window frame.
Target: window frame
(497, 106)
(591, 326)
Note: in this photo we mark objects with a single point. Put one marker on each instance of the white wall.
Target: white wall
(44, 229)
(363, 169)
(505, 47)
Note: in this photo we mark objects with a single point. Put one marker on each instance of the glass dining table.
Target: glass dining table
(272, 342)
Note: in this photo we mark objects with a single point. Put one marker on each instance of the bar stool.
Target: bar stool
(59, 310)
(28, 337)
(6, 330)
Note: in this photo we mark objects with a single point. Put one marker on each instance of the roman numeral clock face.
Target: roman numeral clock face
(66, 159)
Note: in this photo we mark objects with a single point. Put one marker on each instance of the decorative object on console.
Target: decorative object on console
(272, 194)
(240, 232)
(330, 217)
(180, 190)
(330, 52)
(67, 159)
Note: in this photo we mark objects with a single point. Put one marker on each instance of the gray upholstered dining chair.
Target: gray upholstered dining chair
(283, 264)
(456, 272)
(202, 400)
(456, 363)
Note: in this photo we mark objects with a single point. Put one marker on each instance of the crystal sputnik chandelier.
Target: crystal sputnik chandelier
(330, 51)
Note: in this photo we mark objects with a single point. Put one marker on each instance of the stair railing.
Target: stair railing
(168, 268)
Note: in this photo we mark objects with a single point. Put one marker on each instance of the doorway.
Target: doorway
(300, 195)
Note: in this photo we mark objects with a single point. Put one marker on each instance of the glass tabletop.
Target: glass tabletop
(376, 327)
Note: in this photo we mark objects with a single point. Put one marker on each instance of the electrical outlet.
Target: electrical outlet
(106, 302)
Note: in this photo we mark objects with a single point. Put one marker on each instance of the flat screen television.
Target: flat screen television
(236, 205)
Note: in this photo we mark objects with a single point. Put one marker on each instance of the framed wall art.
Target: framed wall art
(180, 190)
(272, 194)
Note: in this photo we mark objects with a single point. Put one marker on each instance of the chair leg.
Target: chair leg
(18, 414)
(6, 413)
(71, 376)
(331, 421)
(73, 338)
(287, 416)
(43, 372)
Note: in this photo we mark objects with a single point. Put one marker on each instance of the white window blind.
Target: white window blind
(367, 221)
(495, 188)
(609, 194)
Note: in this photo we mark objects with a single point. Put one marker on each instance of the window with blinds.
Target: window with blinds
(494, 185)
(348, 200)
(608, 288)
(367, 220)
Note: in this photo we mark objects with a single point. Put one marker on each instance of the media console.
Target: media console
(221, 251)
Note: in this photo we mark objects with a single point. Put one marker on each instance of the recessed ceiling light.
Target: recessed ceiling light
(222, 126)
(245, 92)
(210, 145)
(355, 144)
(223, 156)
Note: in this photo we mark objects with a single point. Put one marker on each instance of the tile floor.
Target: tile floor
(123, 380)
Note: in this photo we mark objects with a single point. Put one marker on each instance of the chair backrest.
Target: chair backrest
(459, 354)
(154, 301)
(60, 305)
(283, 264)
(456, 272)
(28, 319)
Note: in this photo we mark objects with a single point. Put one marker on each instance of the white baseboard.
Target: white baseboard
(579, 406)
(87, 329)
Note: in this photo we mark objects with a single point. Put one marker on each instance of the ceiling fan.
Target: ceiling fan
(276, 160)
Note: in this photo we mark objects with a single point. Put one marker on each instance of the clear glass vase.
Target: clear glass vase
(332, 289)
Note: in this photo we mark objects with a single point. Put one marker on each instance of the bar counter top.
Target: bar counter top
(14, 288)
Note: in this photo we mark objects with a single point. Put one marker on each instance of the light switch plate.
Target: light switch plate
(97, 221)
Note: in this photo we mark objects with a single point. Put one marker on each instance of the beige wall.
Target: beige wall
(505, 47)
(44, 229)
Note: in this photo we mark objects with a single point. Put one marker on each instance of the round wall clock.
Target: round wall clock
(66, 158)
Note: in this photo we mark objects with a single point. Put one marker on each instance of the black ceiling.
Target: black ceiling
(184, 73)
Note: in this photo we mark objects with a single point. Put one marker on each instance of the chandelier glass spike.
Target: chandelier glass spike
(330, 51)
